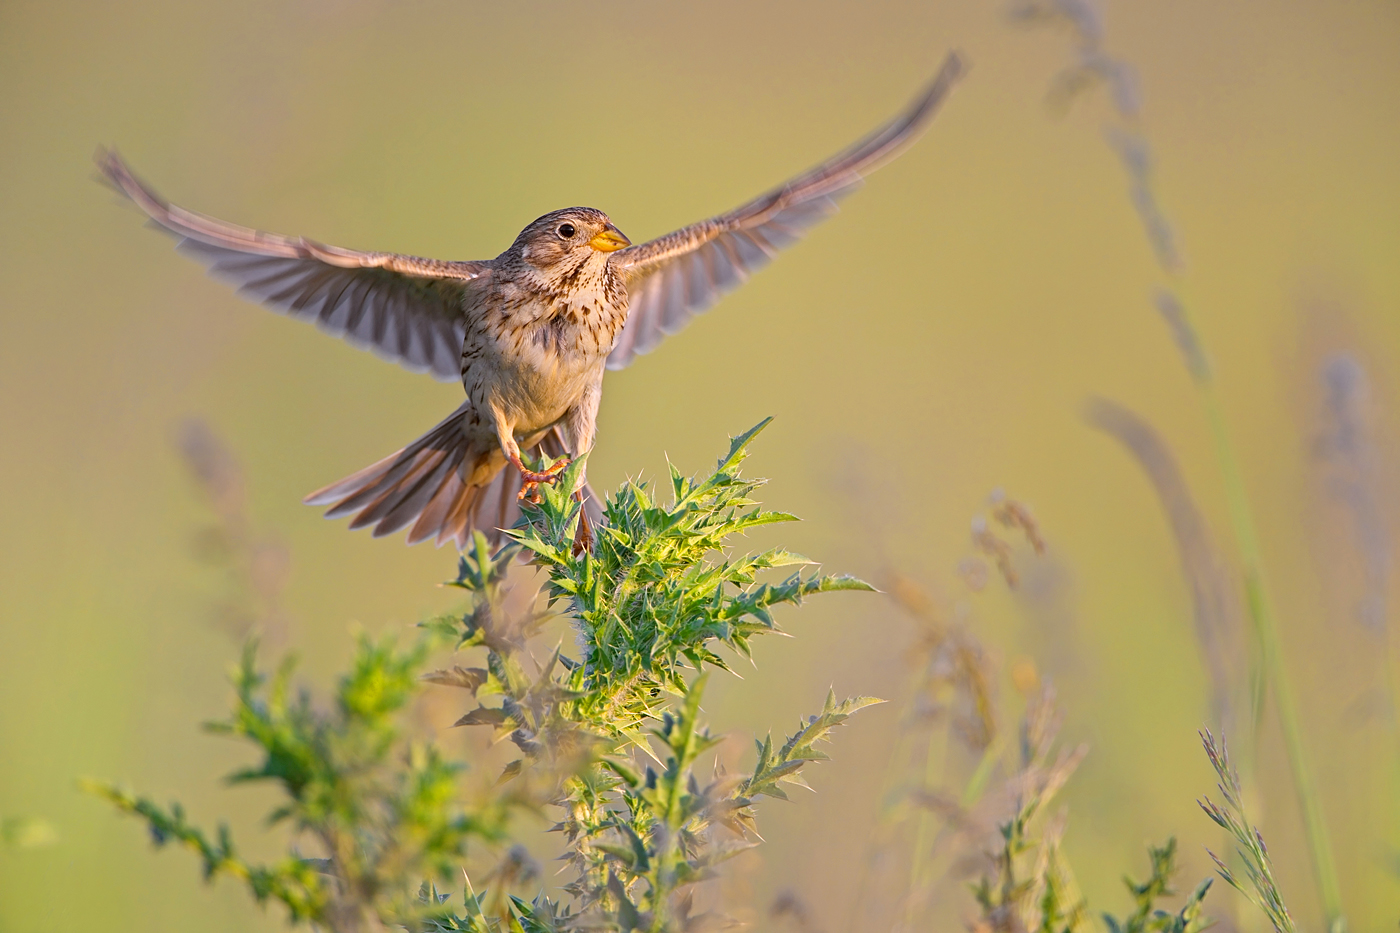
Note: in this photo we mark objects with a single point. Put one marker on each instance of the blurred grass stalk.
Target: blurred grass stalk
(953, 684)
(1215, 602)
(1093, 66)
(1354, 479)
(1260, 608)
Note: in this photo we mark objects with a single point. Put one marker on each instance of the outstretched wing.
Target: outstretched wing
(675, 277)
(405, 309)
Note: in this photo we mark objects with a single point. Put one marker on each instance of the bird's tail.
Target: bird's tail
(446, 483)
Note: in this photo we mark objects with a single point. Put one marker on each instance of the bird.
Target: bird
(529, 333)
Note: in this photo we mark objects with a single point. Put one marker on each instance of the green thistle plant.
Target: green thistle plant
(612, 738)
(382, 810)
(650, 606)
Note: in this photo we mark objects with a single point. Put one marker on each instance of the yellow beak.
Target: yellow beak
(609, 239)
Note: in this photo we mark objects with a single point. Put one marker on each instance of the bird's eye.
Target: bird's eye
(566, 231)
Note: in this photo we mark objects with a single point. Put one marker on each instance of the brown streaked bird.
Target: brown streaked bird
(529, 333)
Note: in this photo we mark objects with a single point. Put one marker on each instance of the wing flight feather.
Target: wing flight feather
(406, 309)
(675, 277)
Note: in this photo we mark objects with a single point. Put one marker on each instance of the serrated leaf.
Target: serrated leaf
(852, 704)
(482, 716)
(780, 558)
(467, 678)
(845, 582)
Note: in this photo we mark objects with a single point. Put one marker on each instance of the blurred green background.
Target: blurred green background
(935, 341)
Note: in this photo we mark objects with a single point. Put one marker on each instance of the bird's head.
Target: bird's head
(561, 241)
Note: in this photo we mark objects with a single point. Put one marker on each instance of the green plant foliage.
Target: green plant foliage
(650, 600)
(609, 735)
(614, 736)
(611, 738)
(774, 769)
(1146, 917)
(383, 811)
(296, 882)
(1029, 885)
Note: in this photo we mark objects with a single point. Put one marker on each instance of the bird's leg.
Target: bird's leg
(530, 479)
(583, 536)
(580, 427)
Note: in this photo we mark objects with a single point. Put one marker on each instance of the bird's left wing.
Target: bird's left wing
(675, 277)
(406, 309)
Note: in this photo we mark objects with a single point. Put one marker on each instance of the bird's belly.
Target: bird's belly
(536, 388)
(544, 406)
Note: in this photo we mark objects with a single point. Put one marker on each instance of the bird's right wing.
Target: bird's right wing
(675, 277)
(406, 309)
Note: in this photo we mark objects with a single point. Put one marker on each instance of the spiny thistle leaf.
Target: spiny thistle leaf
(773, 769)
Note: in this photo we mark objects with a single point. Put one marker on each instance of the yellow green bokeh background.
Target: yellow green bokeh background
(943, 332)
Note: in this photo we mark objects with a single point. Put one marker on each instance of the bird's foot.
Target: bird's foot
(531, 479)
(583, 536)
